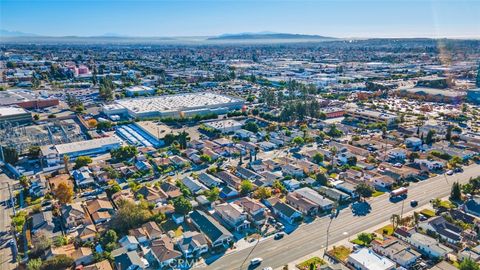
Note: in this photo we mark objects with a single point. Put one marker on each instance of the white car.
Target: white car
(256, 261)
(268, 268)
(450, 172)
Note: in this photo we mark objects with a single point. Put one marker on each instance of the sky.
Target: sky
(159, 18)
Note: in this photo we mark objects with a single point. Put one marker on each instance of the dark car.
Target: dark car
(278, 236)
(413, 203)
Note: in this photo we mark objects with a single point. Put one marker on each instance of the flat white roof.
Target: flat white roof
(224, 124)
(372, 261)
(85, 145)
(8, 111)
(175, 102)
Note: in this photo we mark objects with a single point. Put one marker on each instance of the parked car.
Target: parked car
(413, 203)
(279, 235)
(449, 172)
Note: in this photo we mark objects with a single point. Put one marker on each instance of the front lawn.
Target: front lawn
(385, 230)
(315, 261)
(428, 213)
(340, 253)
(377, 193)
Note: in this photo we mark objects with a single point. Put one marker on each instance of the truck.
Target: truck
(399, 192)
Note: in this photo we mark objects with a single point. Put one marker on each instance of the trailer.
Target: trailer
(403, 191)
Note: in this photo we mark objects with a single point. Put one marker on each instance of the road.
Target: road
(5, 220)
(311, 237)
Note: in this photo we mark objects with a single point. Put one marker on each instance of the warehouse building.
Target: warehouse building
(26, 99)
(181, 105)
(53, 154)
(14, 115)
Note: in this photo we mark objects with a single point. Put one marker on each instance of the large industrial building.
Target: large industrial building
(26, 99)
(181, 105)
(53, 154)
(14, 115)
(372, 116)
(433, 94)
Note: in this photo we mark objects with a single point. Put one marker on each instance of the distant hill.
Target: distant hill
(6, 33)
(271, 36)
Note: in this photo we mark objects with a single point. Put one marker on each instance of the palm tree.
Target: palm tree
(333, 153)
(395, 219)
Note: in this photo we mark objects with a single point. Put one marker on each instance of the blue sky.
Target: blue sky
(338, 18)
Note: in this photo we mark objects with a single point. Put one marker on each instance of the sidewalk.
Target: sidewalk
(346, 240)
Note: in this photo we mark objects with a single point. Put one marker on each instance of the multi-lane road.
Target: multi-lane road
(6, 257)
(312, 237)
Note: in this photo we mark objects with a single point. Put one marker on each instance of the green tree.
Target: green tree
(456, 192)
(352, 160)
(366, 238)
(246, 187)
(429, 138)
(182, 205)
(334, 131)
(206, 158)
(57, 262)
(298, 141)
(455, 161)
(106, 88)
(318, 158)
(321, 179)
(24, 181)
(278, 186)
(82, 161)
(251, 126)
(469, 264)
(34, 264)
(124, 152)
(213, 194)
(262, 193)
(129, 215)
(364, 190)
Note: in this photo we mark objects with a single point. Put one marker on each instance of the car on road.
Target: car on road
(279, 235)
(458, 170)
(268, 268)
(413, 203)
(449, 172)
(256, 261)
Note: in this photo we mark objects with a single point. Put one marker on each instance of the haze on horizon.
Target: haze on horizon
(164, 18)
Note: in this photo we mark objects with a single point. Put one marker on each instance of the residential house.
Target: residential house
(425, 244)
(83, 177)
(101, 265)
(42, 224)
(194, 185)
(232, 215)
(193, 244)
(245, 173)
(100, 210)
(444, 229)
(229, 179)
(209, 180)
(162, 253)
(308, 201)
(153, 194)
(74, 215)
(256, 211)
(87, 233)
(366, 259)
(472, 206)
(129, 261)
(81, 255)
(129, 242)
(215, 233)
(396, 250)
(286, 212)
(171, 190)
(38, 187)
